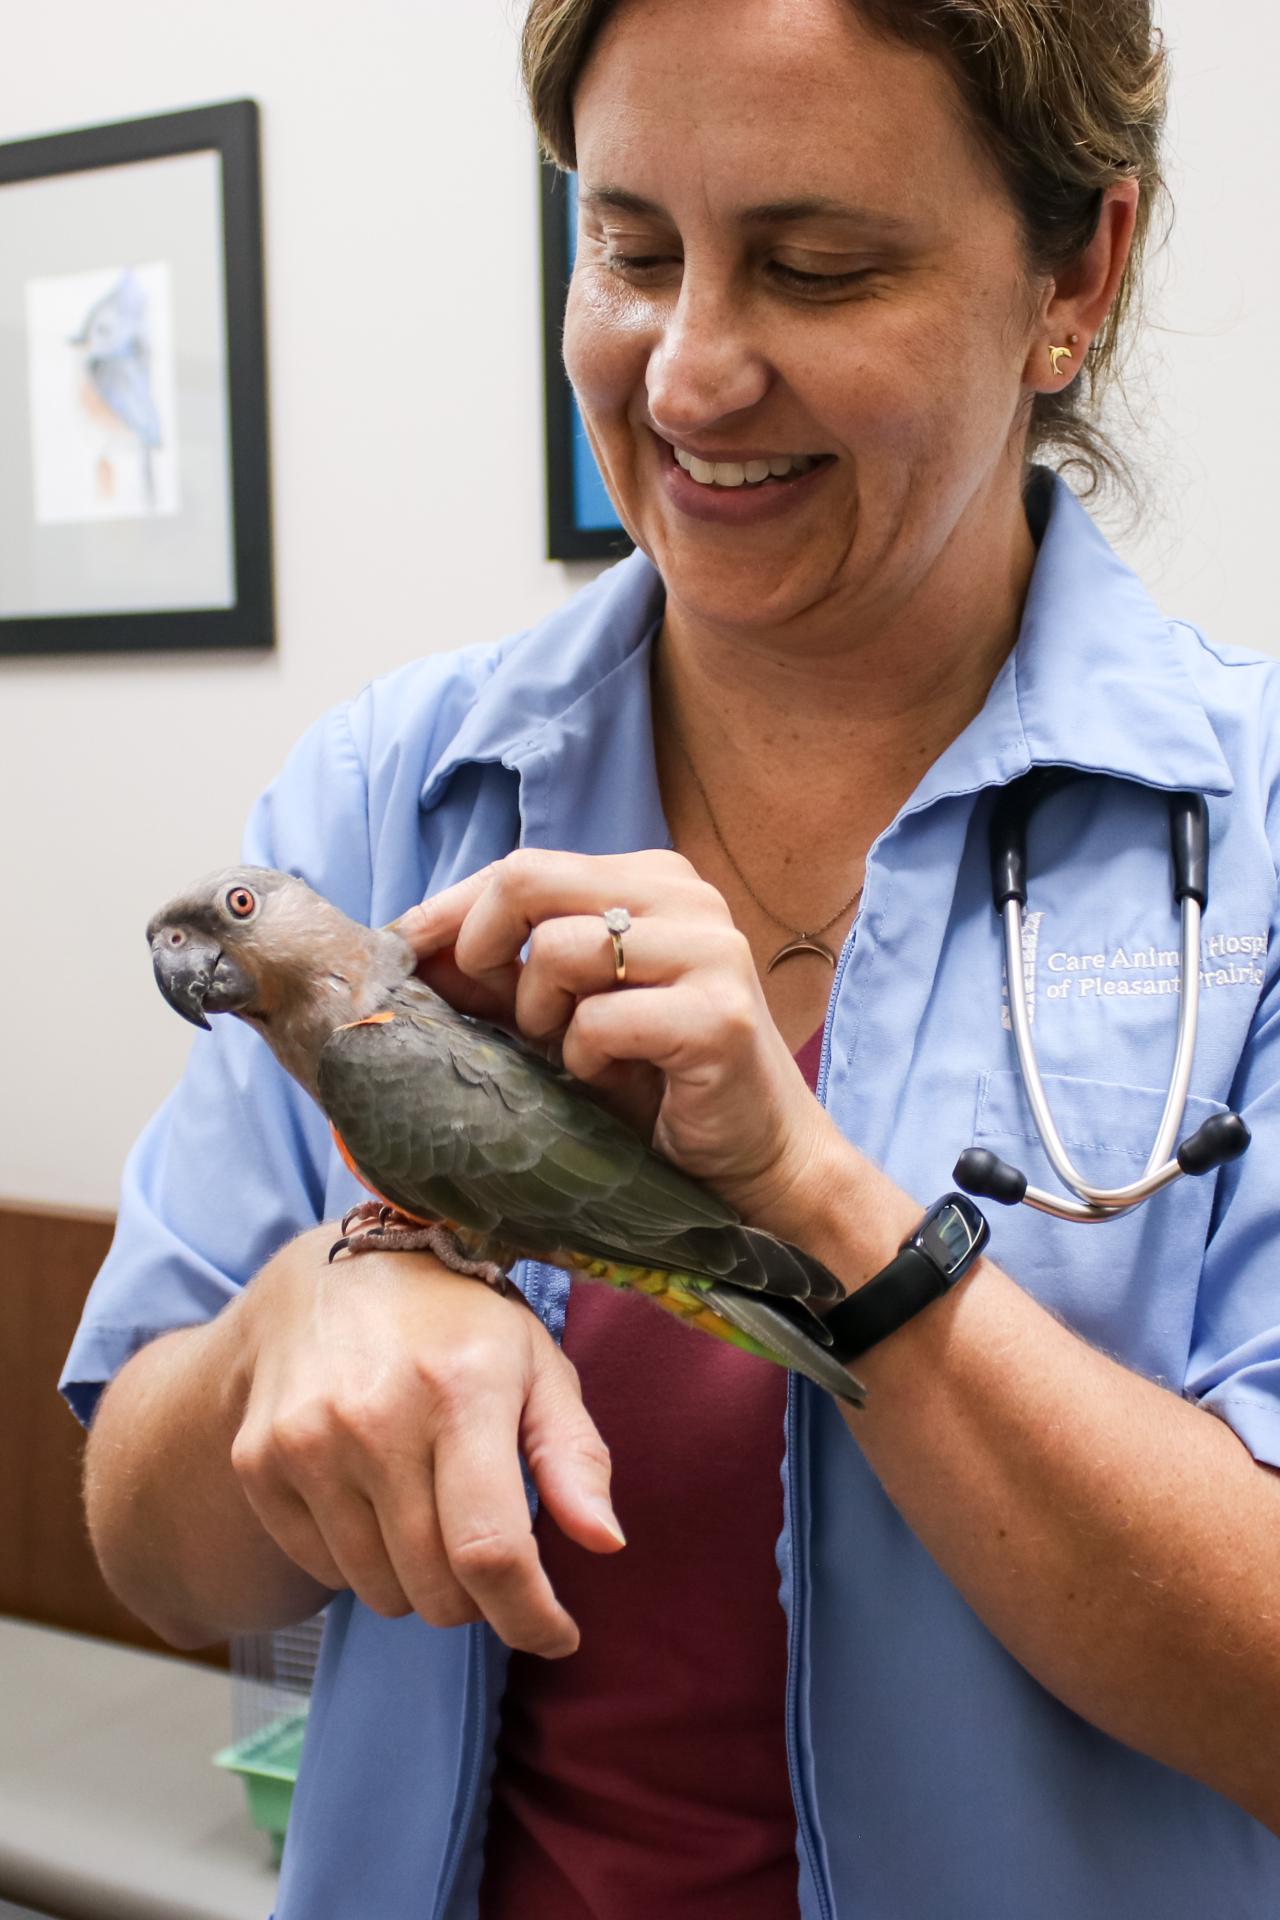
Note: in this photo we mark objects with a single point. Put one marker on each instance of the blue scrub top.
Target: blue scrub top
(932, 1775)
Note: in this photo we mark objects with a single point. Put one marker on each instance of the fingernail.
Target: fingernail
(405, 923)
(609, 1519)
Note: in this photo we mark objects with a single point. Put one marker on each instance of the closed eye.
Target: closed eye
(635, 263)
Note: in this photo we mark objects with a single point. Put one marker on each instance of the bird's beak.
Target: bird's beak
(194, 973)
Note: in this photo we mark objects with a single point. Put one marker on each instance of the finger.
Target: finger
(532, 884)
(568, 1458)
(347, 1524)
(434, 922)
(573, 956)
(285, 1517)
(340, 1545)
(410, 1526)
(316, 1515)
(632, 1091)
(487, 1532)
(675, 1028)
(490, 999)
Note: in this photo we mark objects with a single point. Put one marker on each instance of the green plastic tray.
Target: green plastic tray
(267, 1762)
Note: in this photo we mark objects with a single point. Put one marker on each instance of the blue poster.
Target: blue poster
(592, 507)
(581, 522)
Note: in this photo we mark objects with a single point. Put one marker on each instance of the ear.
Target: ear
(1078, 300)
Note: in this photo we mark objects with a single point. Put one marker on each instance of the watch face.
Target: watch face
(950, 1236)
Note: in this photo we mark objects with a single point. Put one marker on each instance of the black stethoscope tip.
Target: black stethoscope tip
(987, 1177)
(1220, 1139)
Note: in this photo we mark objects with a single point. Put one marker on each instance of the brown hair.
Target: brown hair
(1067, 96)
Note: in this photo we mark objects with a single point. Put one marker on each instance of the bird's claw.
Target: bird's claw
(371, 1227)
(367, 1210)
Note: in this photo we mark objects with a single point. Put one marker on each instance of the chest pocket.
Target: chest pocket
(1128, 1286)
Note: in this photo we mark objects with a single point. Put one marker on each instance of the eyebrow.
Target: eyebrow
(772, 213)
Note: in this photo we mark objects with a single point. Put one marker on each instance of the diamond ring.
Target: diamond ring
(617, 920)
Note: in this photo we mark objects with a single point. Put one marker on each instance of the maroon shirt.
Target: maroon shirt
(647, 1773)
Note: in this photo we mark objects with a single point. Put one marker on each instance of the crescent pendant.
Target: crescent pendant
(805, 944)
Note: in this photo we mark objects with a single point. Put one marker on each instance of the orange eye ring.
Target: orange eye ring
(241, 904)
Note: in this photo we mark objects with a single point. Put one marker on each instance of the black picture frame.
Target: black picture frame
(581, 523)
(231, 129)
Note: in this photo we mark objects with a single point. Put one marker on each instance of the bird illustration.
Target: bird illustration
(472, 1143)
(117, 348)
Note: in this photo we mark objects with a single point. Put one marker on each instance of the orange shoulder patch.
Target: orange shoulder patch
(368, 1186)
(351, 1166)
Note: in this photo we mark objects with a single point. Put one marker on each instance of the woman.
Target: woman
(1027, 1660)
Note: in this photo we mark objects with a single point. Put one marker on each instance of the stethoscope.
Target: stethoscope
(1222, 1138)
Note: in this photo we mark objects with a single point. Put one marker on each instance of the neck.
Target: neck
(345, 978)
(842, 696)
(810, 738)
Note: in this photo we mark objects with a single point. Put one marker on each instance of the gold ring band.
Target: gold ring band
(617, 920)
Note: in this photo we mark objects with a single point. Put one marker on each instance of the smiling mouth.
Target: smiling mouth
(779, 470)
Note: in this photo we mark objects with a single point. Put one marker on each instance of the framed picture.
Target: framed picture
(134, 504)
(581, 522)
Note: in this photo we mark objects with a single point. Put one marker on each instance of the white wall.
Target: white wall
(405, 393)
(1206, 390)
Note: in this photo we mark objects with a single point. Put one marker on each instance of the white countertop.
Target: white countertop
(110, 1808)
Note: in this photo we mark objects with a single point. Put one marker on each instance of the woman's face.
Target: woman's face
(790, 245)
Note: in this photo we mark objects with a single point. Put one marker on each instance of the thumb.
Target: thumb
(567, 1457)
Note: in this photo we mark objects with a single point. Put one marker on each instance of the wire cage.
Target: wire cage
(271, 1678)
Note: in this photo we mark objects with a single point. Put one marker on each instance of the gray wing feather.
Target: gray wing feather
(772, 1329)
(451, 1118)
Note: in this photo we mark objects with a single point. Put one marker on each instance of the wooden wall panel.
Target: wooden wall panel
(47, 1569)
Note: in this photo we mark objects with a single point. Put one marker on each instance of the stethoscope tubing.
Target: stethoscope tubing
(1222, 1138)
(1104, 1203)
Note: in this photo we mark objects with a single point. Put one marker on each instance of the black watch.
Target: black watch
(941, 1251)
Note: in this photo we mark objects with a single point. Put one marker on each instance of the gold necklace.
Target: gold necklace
(802, 940)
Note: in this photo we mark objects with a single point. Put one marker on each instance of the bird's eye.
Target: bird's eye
(241, 904)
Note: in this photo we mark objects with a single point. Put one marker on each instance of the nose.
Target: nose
(705, 365)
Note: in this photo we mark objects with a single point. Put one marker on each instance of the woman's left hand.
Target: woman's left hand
(687, 1048)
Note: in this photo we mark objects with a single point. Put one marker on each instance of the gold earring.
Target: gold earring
(1061, 353)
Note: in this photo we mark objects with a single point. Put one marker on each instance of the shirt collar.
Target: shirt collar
(592, 652)
(1097, 681)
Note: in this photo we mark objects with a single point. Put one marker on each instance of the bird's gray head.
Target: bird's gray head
(262, 944)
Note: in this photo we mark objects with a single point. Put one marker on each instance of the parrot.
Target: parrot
(472, 1143)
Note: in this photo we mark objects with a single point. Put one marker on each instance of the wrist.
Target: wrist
(288, 1279)
(931, 1261)
(855, 1217)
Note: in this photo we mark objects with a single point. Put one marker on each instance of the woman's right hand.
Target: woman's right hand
(386, 1402)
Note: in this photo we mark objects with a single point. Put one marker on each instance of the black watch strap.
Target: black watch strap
(929, 1262)
(884, 1304)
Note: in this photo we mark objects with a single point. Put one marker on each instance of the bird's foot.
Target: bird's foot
(367, 1213)
(380, 1229)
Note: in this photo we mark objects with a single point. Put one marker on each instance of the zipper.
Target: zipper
(469, 1764)
(471, 1758)
(797, 1456)
(805, 1822)
(824, 1060)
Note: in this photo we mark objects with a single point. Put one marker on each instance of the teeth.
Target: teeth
(732, 473)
